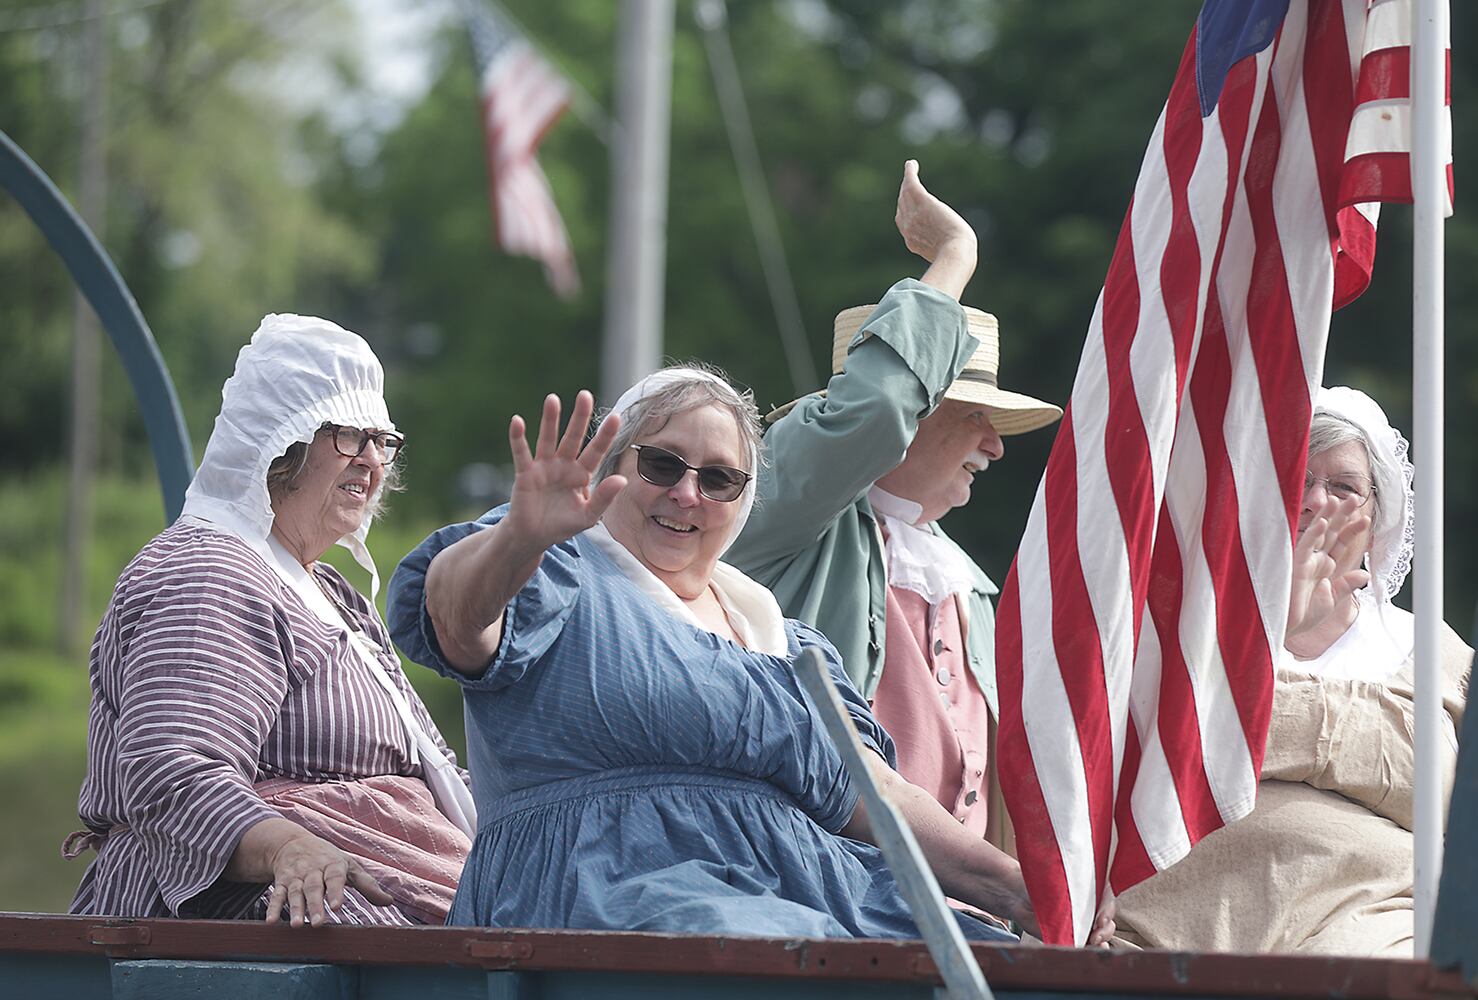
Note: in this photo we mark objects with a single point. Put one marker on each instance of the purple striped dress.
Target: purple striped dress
(208, 674)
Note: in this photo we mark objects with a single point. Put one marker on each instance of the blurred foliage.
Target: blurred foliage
(231, 196)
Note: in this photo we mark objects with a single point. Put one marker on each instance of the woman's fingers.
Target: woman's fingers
(605, 435)
(1310, 546)
(276, 899)
(1348, 526)
(518, 444)
(548, 427)
(603, 495)
(333, 885)
(574, 435)
(295, 902)
(313, 898)
(1353, 581)
(367, 886)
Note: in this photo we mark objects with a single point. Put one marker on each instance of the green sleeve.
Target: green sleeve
(829, 450)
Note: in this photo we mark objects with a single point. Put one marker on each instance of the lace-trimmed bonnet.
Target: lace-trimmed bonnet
(297, 373)
(1394, 533)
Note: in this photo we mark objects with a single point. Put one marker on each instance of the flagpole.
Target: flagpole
(1429, 192)
(636, 248)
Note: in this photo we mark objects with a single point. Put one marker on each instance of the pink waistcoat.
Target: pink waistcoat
(930, 704)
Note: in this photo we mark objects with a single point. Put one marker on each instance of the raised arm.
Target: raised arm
(831, 450)
(937, 233)
(469, 584)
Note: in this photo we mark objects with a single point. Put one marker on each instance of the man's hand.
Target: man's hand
(929, 227)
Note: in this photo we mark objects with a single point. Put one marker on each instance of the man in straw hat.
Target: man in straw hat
(844, 530)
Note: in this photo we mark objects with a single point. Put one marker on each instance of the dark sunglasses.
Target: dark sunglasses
(351, 441)
(661, 467)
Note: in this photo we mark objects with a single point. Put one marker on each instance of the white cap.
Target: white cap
(297, 373)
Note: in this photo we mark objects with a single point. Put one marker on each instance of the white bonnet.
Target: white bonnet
(1394, 532)
(659, 380)
(297, 373)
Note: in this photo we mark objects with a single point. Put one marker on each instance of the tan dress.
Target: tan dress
(1323, 864)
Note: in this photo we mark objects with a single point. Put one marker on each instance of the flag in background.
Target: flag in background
(522, 96)
(1138, 628)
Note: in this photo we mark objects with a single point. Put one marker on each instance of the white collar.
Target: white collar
(894, 507)
(752, 610)
(919, 559)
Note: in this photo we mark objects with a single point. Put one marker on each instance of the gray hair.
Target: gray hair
(285, 469)
(1330, 430)
(652, 413)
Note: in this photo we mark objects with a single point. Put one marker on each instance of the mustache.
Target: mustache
(980, 460)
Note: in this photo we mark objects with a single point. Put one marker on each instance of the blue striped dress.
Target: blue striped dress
(633, 772)
(208, 675)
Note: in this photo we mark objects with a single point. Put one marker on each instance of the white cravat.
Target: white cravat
(918, 559)
(751, 609)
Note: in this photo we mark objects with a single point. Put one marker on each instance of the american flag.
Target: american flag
(522, 96)
(1138, 628)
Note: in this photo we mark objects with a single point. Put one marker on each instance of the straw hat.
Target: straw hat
(1010, 412)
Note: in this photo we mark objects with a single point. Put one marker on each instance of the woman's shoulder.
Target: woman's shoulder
(191, 554)
(808, 636)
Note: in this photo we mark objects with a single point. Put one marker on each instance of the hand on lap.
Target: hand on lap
(308, 872)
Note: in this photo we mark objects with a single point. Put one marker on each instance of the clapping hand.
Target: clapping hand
(552, 496)
(1319, 585)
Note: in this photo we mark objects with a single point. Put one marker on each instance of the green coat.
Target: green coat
(813, 538)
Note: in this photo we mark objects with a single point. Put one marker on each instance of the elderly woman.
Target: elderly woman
(645, 758)
(1324, 863)
(253, 745)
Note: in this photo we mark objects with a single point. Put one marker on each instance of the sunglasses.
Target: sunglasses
(661, 467)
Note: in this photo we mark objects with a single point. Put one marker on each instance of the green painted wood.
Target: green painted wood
(420, 982)
(95, 977)
(54, 977)
(647, 986)
(170, 979)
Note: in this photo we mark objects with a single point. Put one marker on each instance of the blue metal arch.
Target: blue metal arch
(93, 271)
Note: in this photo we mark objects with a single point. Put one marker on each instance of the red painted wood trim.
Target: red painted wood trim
(1007, 968)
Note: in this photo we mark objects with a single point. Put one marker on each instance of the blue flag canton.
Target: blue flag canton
(489, 34)
(1227, 32)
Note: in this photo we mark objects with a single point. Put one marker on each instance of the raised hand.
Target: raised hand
(930, 227)
(1320, 586)
(552, 499)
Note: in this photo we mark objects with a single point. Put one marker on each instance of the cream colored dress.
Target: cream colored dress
(1323, 864)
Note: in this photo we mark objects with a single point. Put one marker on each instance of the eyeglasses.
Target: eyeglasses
(1342, 487)
(661, 467)
(351, 441)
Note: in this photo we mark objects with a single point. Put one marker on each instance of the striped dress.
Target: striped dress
(208, 675)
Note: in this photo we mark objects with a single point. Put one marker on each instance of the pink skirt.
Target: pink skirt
(391, 826)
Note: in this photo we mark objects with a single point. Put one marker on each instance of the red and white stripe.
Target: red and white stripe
(522, 96)
(1138, 627)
